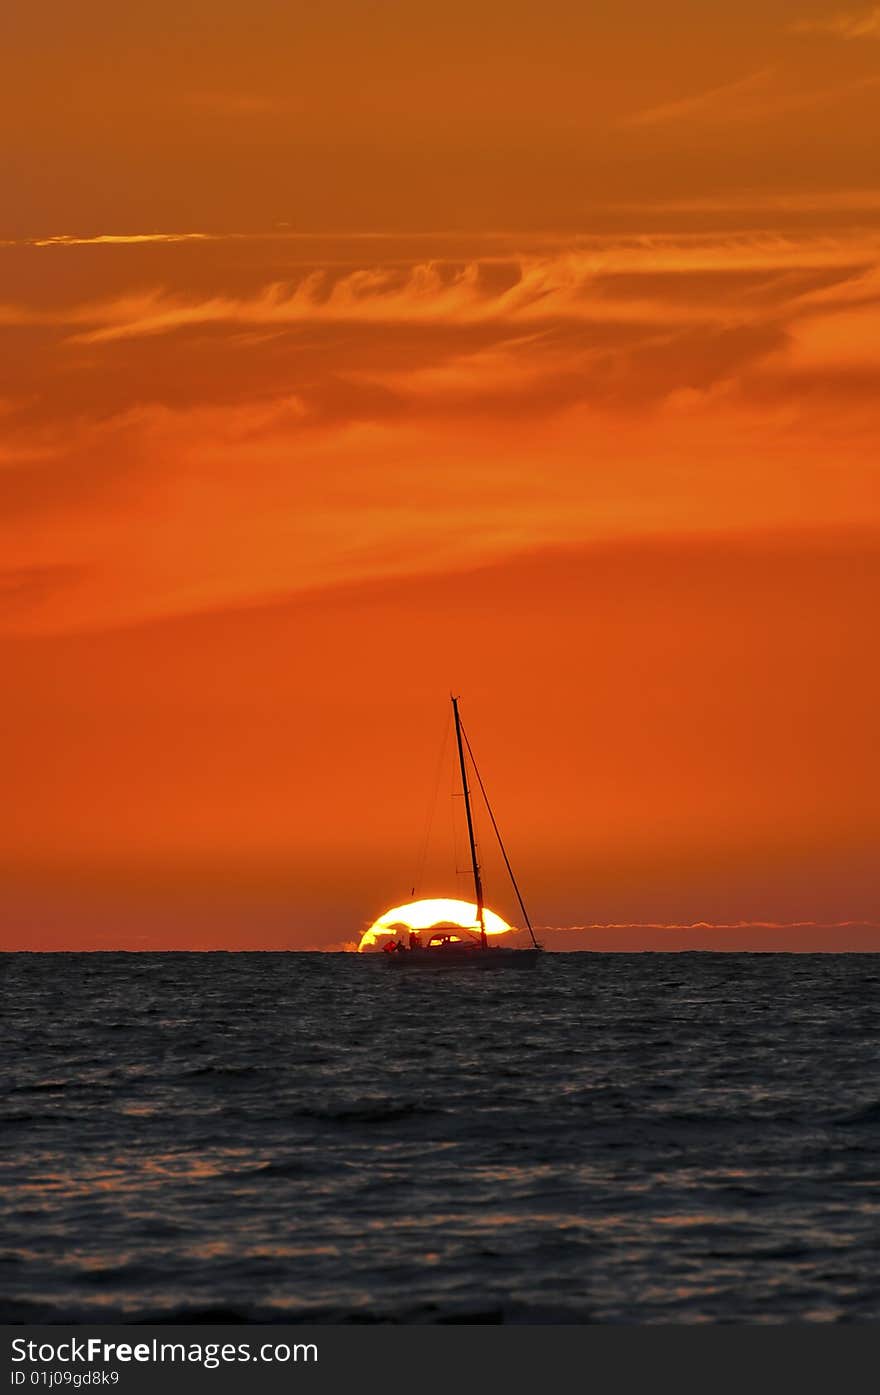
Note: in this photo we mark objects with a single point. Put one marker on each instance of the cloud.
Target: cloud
(519, 291)
(820, 201)
(859, 24)
(714, 925)
(757, 97)
(179, 451)
(119, 239)
(619, 322)
(727, 99)
(158, 512)
(502, 241)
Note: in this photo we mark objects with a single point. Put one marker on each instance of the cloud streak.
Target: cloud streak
(858, 24)
(536, 290)
(756, 97)
(779, 202)
(729, 98)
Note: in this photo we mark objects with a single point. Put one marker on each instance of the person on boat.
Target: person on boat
(415, 939)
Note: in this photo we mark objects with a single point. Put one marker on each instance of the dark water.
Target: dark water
(611, 1138)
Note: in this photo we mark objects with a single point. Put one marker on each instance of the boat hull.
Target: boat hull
(459, 958)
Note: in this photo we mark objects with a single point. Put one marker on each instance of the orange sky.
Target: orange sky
(353, 353)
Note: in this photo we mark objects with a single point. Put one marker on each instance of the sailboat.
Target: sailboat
(445, 945)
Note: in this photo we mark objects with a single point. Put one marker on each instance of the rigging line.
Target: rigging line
(522, 905)
(432, 809)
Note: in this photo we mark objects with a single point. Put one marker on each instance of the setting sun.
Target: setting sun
(429, 915)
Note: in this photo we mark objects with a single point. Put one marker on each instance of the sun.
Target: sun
(425, 915)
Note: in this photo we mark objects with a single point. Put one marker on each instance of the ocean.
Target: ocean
(610, 1138)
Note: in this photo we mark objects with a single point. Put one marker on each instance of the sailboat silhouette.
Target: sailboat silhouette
(449, 944)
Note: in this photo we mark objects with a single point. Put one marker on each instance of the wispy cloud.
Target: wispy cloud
(729, 98)
(767, 201)
(504, 241)
(343, 424)
(755, 97)
(580, 286)
(118, 239)
(715, 925)
(857, 24)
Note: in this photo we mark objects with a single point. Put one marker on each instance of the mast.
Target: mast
(478, 884)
